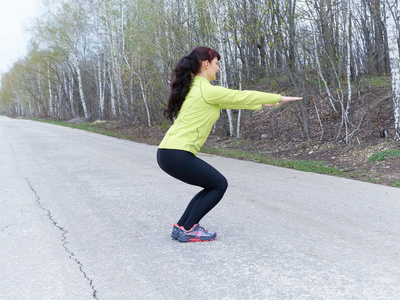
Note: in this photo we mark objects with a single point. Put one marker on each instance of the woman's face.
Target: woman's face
(212, 69)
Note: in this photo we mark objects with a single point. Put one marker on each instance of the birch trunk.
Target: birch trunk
(71, 93)
(120, 68)
(100, 81)
(240, 111)
(50, 92)
(39, 84)
(112, 94)
(60, 108)
(145, 102)
(392, 10)
(217, 14)
(346, 113)
(77, 68)
(65, 86)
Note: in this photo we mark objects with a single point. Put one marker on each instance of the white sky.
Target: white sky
(14, 16)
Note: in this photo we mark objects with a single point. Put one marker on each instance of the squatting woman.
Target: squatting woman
(194, 105)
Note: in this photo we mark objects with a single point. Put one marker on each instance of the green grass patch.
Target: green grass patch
(301, 165)
(87, 126)
(372, 180)
(383, 155)
(377, 81)
(396, 183)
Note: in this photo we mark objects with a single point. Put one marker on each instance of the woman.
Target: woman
(194, 105)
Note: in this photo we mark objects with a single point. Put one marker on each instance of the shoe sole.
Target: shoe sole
(197, 240)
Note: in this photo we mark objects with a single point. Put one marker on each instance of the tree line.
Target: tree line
(112, 59)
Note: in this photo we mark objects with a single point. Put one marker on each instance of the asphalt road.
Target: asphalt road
(85, 216)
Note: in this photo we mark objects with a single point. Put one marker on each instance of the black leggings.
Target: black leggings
(185, 166)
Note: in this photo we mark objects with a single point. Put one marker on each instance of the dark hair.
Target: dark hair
(182, 77)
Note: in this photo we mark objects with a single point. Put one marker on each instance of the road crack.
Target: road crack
(64, 241)
(6, 227)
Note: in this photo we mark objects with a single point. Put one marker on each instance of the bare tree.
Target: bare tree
(392, 14)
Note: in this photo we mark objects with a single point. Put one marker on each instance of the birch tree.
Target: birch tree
(346, 112)
(218, 14)
(393, 14)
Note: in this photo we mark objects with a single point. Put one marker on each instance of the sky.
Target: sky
(14, 16)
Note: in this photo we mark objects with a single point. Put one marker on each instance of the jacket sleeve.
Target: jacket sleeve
(248, 107)
(235, 99)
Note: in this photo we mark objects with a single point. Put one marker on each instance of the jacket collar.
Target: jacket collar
(200, 78)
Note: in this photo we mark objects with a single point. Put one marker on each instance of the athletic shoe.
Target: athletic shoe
(196, 234)
(175, 231)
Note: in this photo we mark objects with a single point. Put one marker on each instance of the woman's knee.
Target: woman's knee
(223, 184)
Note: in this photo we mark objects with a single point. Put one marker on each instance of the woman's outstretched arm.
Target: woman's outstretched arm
(285, 99)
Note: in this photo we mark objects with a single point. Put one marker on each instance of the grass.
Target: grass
(301, 165)
(372, 180)
(377, 81)
(383, 155)
(88, 126)
(396, 183)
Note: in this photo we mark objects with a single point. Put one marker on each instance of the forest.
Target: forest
(112, 60)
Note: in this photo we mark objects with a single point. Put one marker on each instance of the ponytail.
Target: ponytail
(182, 78)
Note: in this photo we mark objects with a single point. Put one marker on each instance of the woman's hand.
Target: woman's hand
(285, 99)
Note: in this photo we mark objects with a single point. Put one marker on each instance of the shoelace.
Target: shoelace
(202, 228)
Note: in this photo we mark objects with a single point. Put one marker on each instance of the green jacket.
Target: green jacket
(201, 109)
